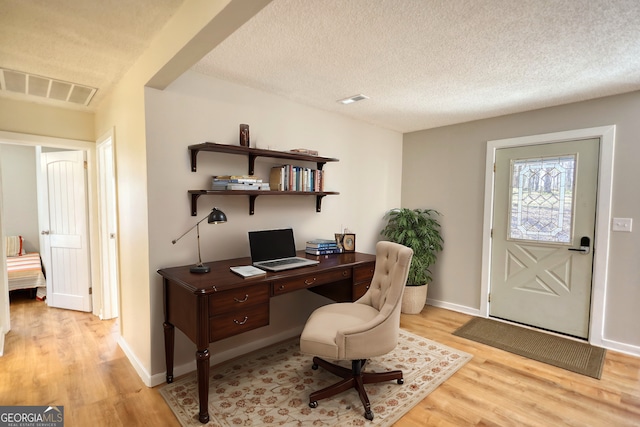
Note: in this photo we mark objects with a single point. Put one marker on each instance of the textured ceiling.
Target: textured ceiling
(89, 42)
(423, 63)
(428, 63)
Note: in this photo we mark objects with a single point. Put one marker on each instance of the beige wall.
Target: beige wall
(196, 109)
(443, 168)
(36, 119)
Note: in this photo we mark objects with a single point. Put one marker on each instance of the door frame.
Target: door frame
(5, 315)
(110, 291)
(606, 134)
(90, 148)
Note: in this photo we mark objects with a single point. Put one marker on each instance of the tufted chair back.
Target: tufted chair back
(380, 335)
(389, 277)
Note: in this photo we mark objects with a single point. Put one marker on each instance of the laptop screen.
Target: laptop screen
(271, 244)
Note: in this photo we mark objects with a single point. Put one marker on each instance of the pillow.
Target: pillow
(14, 245)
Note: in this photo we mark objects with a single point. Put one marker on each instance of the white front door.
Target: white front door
(543, 235)
(65, 246)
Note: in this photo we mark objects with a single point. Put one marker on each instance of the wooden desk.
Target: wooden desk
(220, 304)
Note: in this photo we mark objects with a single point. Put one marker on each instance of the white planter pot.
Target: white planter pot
(414, 299)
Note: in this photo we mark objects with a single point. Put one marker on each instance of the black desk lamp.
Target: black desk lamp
(215, 217)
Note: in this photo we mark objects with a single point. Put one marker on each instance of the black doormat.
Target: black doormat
(564, 353)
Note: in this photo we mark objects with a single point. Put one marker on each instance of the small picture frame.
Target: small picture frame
(349, 242)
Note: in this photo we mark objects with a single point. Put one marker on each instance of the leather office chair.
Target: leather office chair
(360, 330)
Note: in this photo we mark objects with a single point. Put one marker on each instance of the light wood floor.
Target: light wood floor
(60, 357)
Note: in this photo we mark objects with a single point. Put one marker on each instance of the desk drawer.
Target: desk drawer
(363, 273)
(310, 280)
(237, 299)
(238, 321)
(359, 289)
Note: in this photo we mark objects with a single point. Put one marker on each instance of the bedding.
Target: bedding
(14, 245)
(25, 272)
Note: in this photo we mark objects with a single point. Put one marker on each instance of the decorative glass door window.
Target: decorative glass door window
(542, 199)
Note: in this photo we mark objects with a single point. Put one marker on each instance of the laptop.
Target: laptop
(275, 250)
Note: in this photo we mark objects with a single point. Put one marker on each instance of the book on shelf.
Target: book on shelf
(235, 178)
(322, 243)
(304, 151)
(296, 178)
(247, 270)
(276, 179)
(245, 177)
(222, 182)
(238, 183)
(258, 186)
(316, 251)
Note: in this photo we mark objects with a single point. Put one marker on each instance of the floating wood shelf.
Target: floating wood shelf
(253, 153)
(254, 194)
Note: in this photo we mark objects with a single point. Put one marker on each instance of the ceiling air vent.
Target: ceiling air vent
(352, 99)
(45, 87)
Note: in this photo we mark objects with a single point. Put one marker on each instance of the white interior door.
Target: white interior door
(544, 213)
(65, 246)
(108, 230)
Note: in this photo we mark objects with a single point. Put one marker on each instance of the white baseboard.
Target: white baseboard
(135, 362)
(631, 350)
(216, 358)
(454, 307)
(219, 357)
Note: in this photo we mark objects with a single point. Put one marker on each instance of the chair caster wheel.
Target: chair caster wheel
(400, 381)
(314, 367)
(368, 415)
(313, 404)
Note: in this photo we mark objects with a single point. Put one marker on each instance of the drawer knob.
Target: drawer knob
(345, 273)
(241, 322)
(309, 282)
(246, 297)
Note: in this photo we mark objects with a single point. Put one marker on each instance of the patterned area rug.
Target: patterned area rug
(272, 386)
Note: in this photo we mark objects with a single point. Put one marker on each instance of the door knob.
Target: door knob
(45, 232)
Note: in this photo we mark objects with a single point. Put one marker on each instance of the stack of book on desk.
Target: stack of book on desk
(322, 247)
(238, 182)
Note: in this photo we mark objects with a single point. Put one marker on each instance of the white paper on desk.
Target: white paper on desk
(247, 270)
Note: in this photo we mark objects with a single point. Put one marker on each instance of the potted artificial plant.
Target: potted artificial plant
(419, 230)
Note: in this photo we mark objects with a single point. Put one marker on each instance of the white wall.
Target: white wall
(20, 197)
(443, 168)
(196, 109)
